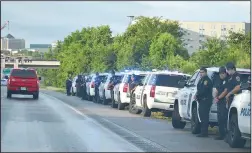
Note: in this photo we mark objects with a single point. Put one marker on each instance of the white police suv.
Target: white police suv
(105, 89)
(186, 108)
(156, 93)
(239, 116)
(121, 91)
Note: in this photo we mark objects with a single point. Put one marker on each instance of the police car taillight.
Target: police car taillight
(125, 87)
(92, 85)
(152, 91)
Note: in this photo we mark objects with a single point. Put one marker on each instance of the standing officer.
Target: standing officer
(68, 85)
(133, 84)
(84, 93)
(221, 103)
(204, 97)
(97, 84)
(233, 86)
(112, 83)
(78, 82)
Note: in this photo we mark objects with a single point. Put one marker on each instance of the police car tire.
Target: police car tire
(133, 111)
(121, 106)
(113, 104)
(235, 141)
(73, 94)
(8, 94)
(146, 110)
(195, 123)
(104, 100)
(176, 119)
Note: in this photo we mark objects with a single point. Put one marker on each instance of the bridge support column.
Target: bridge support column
(2, 66)
(16, 64)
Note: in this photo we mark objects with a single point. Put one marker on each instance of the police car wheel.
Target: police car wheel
(104, 100)
(176, 119)
(146, 110)
(132, 108)
(234, 135)
(121, 106)
(113, 104)
(195, 124)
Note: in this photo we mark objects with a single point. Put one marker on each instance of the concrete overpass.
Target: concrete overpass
(30, 64)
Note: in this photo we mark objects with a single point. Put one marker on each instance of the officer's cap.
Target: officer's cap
(222, 69)
(230, 65)
(97, 73)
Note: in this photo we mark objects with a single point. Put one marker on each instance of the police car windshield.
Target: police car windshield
(169, 80)
(139, 78)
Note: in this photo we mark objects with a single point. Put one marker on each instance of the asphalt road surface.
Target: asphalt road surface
(57, 122)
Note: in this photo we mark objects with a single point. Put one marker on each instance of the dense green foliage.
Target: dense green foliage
(149, 43)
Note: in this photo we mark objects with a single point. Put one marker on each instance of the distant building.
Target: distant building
(40, 47)
(196, 33)
(11, 43)
(54, 44)
(35, 46)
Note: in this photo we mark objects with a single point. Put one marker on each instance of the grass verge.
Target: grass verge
(62, 90)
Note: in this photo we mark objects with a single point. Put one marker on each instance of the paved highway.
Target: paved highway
(57, 122)
(49, 125)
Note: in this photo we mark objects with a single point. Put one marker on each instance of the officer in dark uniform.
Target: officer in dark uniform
(78, 83)
(234, 83)
(133, 84)
(112, 83)
(83, 86)
(249, 82)
(97, 84)
(221, 103)
(68, 85)
(204, 97)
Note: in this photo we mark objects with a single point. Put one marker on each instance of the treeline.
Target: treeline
(147, 44)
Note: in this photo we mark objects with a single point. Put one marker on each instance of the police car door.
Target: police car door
(245, 112)
(140, 89)
(187, 96)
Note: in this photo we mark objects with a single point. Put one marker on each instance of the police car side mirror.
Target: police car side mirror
(245, 86)
(182, 83)
(6, 77)
(140, 84)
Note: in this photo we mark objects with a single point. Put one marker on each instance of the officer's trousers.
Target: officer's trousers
(96, 95)
(84, 93)
(68, 88)
(204, 109)
(222, 114)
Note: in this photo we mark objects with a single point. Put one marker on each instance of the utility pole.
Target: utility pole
(131, 19)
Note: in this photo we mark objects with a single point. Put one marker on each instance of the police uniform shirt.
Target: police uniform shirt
(233, 81)
(204, 88)
(132, 85)
(97, 81)
(222, 84)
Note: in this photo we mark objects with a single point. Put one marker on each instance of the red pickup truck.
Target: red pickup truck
(23, 81)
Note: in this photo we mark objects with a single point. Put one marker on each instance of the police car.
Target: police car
(91, 84)
(186, 108)
(239, 116)
(105, 89)
(73, 88)
(121, 91)
(4, 81)
(156, 93)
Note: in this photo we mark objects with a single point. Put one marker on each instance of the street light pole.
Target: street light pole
(131, 19)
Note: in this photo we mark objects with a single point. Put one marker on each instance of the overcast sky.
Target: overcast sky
(45, 22)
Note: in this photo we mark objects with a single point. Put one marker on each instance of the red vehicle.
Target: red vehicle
(23, 81)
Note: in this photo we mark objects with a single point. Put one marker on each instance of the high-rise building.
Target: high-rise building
(11, 43)
(196, 33)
